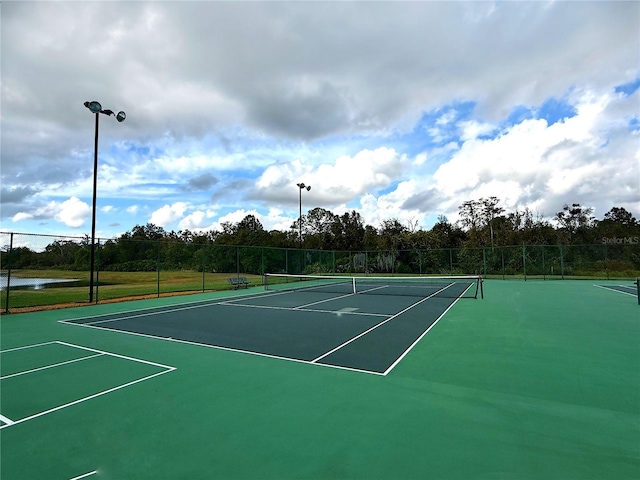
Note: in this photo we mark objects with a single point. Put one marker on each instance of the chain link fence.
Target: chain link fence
(41, 270)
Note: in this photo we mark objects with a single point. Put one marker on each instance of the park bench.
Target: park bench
(237, 282)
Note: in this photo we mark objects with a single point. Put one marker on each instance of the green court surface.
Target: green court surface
(538, 380)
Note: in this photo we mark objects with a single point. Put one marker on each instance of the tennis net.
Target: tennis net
(423, 286)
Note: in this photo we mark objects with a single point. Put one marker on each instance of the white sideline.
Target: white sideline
(605, 287)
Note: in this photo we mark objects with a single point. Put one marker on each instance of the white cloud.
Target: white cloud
(73, 212)
(472, 129)
(337, 182)
(21, 216)
(197, 221)
(168, 214)
(534, 163)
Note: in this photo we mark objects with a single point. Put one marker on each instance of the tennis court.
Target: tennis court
(329, 380)
(322, 321)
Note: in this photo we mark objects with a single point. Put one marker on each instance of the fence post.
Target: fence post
(158, 268)
(561, 263)
(544, 272)
(6, 307)
(202, 265)
(98, 271)
(502, 256)
(484, 262)
(524, 262)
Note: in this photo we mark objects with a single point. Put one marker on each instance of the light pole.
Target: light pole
(301, 186)
(96, 108)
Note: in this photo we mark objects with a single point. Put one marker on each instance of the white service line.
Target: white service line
(324, 301)
(117, 355)
(84, 475)
(26, 346)
(51, 366)
(6, 420)
(378, 325)
(297, 309)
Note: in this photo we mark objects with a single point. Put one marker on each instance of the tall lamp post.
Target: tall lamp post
(301, 186)
(96, 108)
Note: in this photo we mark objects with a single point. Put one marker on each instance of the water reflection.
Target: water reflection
(35, 283)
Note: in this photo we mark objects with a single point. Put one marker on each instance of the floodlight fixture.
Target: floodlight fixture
(301, 186)
(96, 108)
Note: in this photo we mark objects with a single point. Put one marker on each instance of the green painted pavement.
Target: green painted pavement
(539, 380)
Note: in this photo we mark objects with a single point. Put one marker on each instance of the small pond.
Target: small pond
(23, 283)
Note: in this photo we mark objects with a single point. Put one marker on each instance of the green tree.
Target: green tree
(348, 231)
(447, 234)
(393, 235)
(316, 229)
(489, 211)
(575, 222)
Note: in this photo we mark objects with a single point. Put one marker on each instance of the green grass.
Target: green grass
(115, 285)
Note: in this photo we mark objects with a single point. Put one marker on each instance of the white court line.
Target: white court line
(6, 420)
(117, 355)
(26, 346)
(84, 475)
(604, 287)
(145, 314)
(95, 395)
(378, 325)
(158, 310)
(324, 301)
(297, 309)
(162, 308)
(51, 366)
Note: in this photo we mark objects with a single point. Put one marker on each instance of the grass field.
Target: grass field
(538, 380)
(114, 285)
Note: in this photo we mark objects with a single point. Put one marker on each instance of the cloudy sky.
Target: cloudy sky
(397, 110)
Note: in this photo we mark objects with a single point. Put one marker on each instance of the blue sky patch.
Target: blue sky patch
(436, 128)
(553, 111)
(628, 88)
(518, 115)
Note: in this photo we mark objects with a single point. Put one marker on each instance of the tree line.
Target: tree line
(482, 223)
